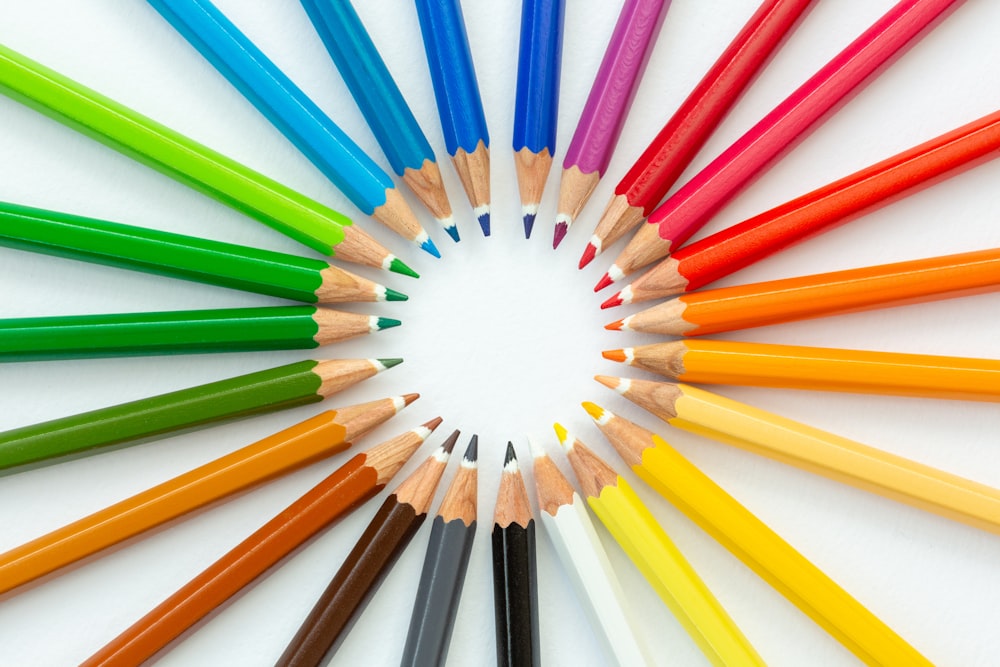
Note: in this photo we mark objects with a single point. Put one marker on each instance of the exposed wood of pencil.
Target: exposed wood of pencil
(337, 325)
(759, 547)
(512, 505)
(339, 374)
(644, 248)
(397, 215)
(554, 490)
(575, 188)
(618, 218)
(426, 183)
(816, 451)
(474, 172)
(290, 449)
(341, 492)
(532, 172)
(360, 248)
(340, 286)
(443, 575)
(394, 525)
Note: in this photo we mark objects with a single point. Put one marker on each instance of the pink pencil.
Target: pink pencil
(693, 204)
(607, 106)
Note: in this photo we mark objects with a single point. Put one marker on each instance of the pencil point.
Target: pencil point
(561, 433)
(529, 224)
(397, 266)
(603, 282)
(452, 229)
(409, 398)
(386, 323)
(449, 443)
(389, 363)
(607, 381)
(614, 326)
(510, 456)
(594, 410)
(483, 216)
(612, 302)
(432, 424)
(472, 451)
(393, 295)
(589, 253)
(614, 355)
(429, 247)
(559, 233)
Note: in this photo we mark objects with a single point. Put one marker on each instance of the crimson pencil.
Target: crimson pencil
(694, 204)
(672, 149)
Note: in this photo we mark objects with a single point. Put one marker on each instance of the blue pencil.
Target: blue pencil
(459, 103)
(291, 111)
(537, 106)
(381, 103)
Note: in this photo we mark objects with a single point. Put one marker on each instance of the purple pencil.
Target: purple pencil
(607, 106)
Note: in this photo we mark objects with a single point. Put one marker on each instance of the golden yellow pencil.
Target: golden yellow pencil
(817, 368)
(816, 451)
(659, 560)
(752, 541)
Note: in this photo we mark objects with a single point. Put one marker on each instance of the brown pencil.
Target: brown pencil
(344, 490)
(385, 538)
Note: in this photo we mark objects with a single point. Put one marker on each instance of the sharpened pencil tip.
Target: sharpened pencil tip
(472, 451)
(484, 222)
(613, 302)
(397, 266)
(529, 224)
(603, 282)
(453, 233)
(594, 410)
(589, 253)
(511, 455)
(607, 381)
(409, 398)
(433, 424)
(559, 233)
(614, 355)
(393, 295)
(389, 363)
(614, 326)
(386, 323)
(431, 249)
(561, 433)
(449, 443)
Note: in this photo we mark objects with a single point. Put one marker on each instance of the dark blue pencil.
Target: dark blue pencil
(460, 106)
(537, 105)
(382, 104)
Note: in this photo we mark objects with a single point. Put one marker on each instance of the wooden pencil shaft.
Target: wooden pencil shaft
(157, 146)
(356, 581)
(438, 593)
(175, 332)
(515, 595)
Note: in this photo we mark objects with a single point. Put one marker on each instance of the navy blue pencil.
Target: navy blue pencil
(382, 104)
(459, 104)
(537, 105)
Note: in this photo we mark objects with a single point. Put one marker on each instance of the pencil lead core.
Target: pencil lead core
(393, 295)
(614, 355)
(389, 363)
(432, 424)
(472, 451)
(449, 443)
(409, 398)
(603, 282)
(510, 458)
(397, 266)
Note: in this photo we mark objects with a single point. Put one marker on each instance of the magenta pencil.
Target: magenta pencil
(688, 209)
(607, 106)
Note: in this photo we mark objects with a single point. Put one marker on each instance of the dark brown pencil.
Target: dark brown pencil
(385, 538)
(515, 583)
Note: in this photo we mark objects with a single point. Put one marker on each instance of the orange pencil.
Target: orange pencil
(820, 295)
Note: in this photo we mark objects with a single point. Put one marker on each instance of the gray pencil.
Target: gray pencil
(441, 580)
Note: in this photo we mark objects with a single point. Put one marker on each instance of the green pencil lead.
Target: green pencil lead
(389, 363)
(393, 295)
(397, 266)
(387, 323)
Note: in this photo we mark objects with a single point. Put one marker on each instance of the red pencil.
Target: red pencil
(647, 182)
(694, 204)
(736, 247)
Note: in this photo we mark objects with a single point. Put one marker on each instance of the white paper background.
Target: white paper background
(501, 336)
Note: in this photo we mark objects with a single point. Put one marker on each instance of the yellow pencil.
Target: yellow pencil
(753, 542)
(659, 560)
(815, 451)
(817, 368)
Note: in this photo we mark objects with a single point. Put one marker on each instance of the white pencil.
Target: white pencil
(567, 522)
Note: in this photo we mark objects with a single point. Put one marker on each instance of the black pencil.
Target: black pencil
(515, 584)
(443, 575)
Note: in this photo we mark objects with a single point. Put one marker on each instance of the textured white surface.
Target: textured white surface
(501, 336)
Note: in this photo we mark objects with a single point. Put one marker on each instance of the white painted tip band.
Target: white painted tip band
(596, 242)
(624, 384)
(615, 273)
(421, 432)
(398, 402)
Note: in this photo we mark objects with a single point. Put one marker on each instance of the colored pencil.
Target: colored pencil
(187, 257)
(607, 106)
(660, 561)
(181, 332)
(443, 573)
(290, 110)
(378, 548)
(567, 522)
(693, 205)
(166, 150)
(736, 247)
(515, 578)
(380, 100)
(309, 441)
(460, 106)
(817, 368)
(672, 149)
(820, 295)
(815, 451)
(752, 541)
(344, 490)
(536, 108)
(276, 388)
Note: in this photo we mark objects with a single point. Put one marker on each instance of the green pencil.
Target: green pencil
(273, 389)
(166, 150)
(181, 332)
(164, 253)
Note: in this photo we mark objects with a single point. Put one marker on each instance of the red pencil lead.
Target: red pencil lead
(589, 253)
(604, 282)
(613, 302)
